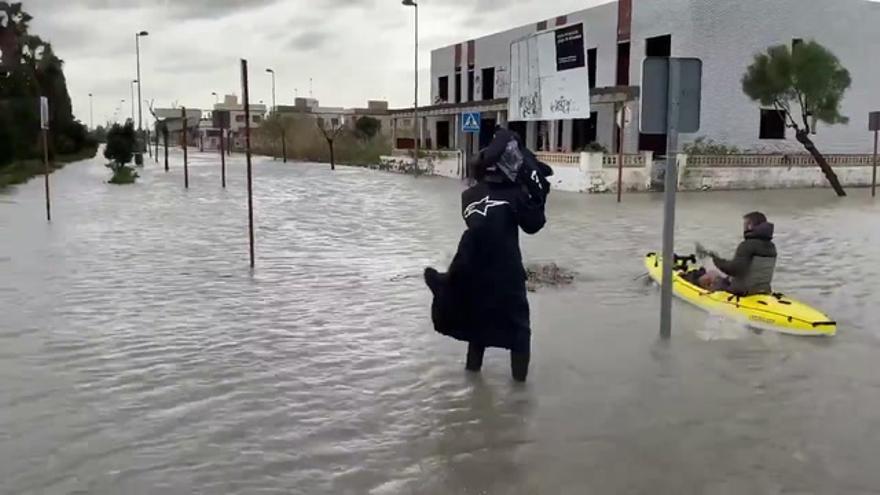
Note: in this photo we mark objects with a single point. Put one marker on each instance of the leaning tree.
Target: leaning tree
(806, 85)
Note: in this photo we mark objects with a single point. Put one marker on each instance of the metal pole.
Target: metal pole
(157, 143)
(165, 137)
(622, 121)
(185, 157)
(137, 42)
(247, 141)
(671, 184)
(874, 180)
(46, 163)
(91, 113)
(132, 102)
(416, 121)
(222, 160)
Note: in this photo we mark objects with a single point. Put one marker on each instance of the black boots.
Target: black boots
(519, 362)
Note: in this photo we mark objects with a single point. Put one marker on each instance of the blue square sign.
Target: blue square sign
(470, 122)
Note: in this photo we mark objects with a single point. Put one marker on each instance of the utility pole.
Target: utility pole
(417, 125)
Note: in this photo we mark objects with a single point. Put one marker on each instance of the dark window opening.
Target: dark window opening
(772, 124)
(583, 132)
(470, 81)
(458, 87)
(489, 83)
(487, 132)
(443, 134)
(653, 142)
(796, 43)
(659, 46)
(443, 88)
(562, 20)
(623, 64)
(592, 55)
(559, 126)
(542, 25)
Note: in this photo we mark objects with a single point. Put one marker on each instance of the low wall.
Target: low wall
(730, 172)
(598, 173)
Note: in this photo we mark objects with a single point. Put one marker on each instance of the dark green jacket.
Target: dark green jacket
(751, 269)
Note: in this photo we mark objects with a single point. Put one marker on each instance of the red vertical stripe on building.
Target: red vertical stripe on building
(472, 52)
(624, 20)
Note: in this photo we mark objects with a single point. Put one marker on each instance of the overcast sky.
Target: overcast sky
(354, 50)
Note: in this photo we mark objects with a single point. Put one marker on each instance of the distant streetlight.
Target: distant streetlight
(133, 82)
(216, 97)
(91, 113)
(417, 126)
(137, 46)
(270, 71)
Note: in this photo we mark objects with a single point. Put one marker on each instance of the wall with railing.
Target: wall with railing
(720, 172)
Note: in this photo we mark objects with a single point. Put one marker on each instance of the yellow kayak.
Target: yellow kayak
(765, 312)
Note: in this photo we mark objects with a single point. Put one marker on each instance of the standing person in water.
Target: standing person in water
(482, 298)
(751, 269)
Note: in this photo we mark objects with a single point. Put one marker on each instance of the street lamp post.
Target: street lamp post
(216, 97)
(271, 71)
(137, 45)
(133, 82)
(91, 113)
(417, 125)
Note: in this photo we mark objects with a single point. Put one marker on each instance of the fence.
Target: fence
(787, 161)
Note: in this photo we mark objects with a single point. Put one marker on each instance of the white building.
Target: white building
(724, 34)
(237, 119)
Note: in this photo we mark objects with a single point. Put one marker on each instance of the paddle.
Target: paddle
(703, 253)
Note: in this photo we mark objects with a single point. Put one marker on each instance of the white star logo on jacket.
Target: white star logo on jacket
(482, 206)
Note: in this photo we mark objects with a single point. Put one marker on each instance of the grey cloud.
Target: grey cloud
(309, 40)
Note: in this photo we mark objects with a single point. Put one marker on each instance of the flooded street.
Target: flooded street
(139, 353)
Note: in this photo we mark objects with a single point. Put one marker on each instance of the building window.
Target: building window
(542, 25)
(489, 83)
(258, 119)
(772, 124)
(592, 55)
(623, 64)
(458, 87)
(470, 81)
(659, 46)
(334, 122)
(443, 88)
(239, 118)
(562, 20)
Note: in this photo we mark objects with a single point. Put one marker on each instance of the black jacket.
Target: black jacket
(482, 298)
(751, 269)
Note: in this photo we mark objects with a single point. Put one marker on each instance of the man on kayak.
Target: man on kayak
(751, 269)
(482, 298)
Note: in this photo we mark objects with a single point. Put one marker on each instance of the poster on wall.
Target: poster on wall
(549, 79)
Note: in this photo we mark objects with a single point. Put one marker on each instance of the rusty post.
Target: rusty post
(222, 160)
(185, 157)
(247, 145)
(165, 138)
(874, 179)
(620, 134)
(46, 163)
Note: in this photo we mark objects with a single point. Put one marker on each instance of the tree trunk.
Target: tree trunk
(804, 138)
(332, 158)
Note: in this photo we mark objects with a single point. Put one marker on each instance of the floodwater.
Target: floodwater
(139, 353)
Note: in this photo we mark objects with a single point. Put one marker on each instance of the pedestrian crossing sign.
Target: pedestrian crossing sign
(470, 122)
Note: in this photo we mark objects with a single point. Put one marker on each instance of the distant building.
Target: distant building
(237, 120)
(311, 108)
(173, 119)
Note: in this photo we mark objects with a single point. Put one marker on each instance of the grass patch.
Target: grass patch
(21, 171)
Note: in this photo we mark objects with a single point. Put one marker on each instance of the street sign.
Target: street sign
(44, 112)
(656, 96)
(874, 121)
(470, 122)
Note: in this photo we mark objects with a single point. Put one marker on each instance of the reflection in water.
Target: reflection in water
(138, 354)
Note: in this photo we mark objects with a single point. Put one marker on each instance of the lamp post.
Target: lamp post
(417, 125)
(137, 46)
(216, 97)
(91, 113)
(133, 82)
(270, 71)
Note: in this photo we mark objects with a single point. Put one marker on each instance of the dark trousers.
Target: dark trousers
(519, 360)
